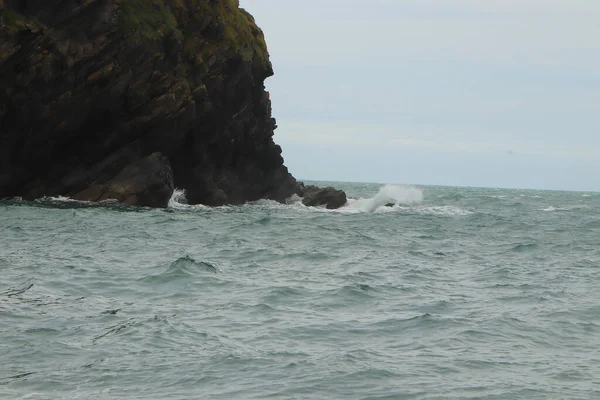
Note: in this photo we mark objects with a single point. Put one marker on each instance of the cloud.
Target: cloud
(552, 33)
(341, 136)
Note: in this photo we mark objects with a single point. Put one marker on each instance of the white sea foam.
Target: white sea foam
(550, 209)
(443, 210)
(389, 199)
(293, 199)
(389, 194)
(265, 202)
(394, 195)
(61, 199)
(178, 201)
(178, 197)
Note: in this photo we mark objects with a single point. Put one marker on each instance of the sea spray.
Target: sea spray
(178, 197)
(388, 195)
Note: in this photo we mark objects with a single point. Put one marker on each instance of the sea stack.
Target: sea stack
(91, 90)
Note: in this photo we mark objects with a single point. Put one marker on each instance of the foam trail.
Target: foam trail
(389, 194)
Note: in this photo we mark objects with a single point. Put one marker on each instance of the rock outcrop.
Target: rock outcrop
(91, 89)
(329, 197)
(146, 182)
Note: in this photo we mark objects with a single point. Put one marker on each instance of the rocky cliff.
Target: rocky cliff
(95, 91)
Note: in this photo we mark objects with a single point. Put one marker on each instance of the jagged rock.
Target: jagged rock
(146, 182)
(330, 197)
(88, 88)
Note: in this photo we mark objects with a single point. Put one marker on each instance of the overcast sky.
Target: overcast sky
(496, 93)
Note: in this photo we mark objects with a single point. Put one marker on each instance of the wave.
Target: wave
(389, 195)
(178, 197)
(550, 209)
(182, 268)
(65, 202)
(188, 266)
(179, 202)
(523, 247)
(450, 211)
(389, 199)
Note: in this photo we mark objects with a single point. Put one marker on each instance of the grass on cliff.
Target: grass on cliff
(237, 33)
(239, 30)
(154, 19)
(150, 19)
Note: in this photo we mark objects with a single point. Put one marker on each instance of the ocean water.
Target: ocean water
(453, 293)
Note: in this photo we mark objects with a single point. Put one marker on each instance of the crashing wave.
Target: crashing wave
(389, 195)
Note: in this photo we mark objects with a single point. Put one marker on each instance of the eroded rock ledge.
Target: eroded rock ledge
(89, 89)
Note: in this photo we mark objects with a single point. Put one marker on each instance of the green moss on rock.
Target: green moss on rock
(223, 26)
(12, 21)
(207, 27)
(150, 19)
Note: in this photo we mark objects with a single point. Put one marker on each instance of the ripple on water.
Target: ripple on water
(467, 293)
(522, 247)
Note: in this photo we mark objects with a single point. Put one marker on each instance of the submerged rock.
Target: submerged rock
(90, 89)
(329, 197)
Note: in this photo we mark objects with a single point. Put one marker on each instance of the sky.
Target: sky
(497, 93)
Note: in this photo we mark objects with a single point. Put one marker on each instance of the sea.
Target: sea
(450, 293)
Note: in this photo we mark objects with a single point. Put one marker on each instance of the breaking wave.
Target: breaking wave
(178, 199)
(388, 196)
(389, 199)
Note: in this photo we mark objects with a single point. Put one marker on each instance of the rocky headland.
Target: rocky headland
(127, 99)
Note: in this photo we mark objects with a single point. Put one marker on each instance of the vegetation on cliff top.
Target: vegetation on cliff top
(206, 27)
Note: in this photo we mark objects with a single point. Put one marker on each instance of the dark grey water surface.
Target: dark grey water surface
(457, 293)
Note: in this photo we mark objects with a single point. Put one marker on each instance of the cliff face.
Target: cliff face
(91, 88)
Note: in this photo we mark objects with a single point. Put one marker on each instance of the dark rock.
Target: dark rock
(146, 182)
(88, 89)
(111, 312)
(330, 197)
